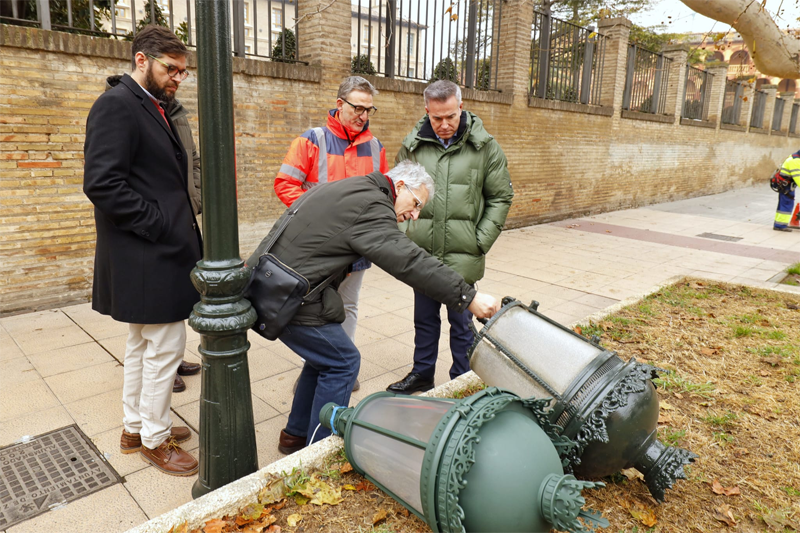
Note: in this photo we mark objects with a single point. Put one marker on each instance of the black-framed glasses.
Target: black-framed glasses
(172, 70)
(360, 109)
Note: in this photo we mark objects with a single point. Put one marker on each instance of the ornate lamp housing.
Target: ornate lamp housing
(609, 408)
(465, 465)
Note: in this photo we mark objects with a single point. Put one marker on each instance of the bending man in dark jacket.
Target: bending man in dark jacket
(337, 223)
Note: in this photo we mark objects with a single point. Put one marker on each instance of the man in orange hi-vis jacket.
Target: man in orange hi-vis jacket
(343, 148)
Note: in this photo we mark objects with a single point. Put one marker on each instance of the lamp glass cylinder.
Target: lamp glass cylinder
(394, 463)
(557, 355)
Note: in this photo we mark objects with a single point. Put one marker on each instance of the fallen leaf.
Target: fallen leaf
(646, 516)
(696, 285)
(365, 486)
(183, 528)
(792, 306)
(215, 525)
(249, 514)
(293, 519)
(378, 517)
(348, 487)
(764, 373)
(779, 520)
(678, 395)
(708, 351)
(347, 467)
(724, 514)
(274, 528)
(631, 473)
(320, 492)
(454, 16)
(606, 325)
(299, 499)
(273, 491)
(664, 418)
(578, 330)
(772, 361)
(667, 407)
(404, 512)
(717, 487)
(279, 506)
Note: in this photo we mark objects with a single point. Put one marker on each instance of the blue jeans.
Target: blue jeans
(785, 206)
(428, 327)
(331, 367)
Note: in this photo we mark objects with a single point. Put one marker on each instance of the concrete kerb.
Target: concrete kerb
(231, 498)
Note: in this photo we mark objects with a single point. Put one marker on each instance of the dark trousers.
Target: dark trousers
(785, 207)
(329, 373)
(428, 327)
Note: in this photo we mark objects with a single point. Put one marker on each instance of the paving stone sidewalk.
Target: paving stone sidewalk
(63, 366)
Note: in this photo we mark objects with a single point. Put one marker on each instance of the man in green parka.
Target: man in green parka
(459, 224)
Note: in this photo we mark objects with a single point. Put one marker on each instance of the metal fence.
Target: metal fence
(424, 39)
(566, 61)
(646, 81)
(260, 27)
(732, 102)
(793, 119)
(759, 103)
(696, 93)
(777, 114)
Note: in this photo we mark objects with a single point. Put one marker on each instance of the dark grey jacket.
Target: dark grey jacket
(340, 221)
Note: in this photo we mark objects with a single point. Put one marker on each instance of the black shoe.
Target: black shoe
(411, 383)
(776, 228)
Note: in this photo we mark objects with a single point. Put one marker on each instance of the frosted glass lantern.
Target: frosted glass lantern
(609, 408)
(451, 462)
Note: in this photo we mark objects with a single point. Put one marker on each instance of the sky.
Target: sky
(685, 20)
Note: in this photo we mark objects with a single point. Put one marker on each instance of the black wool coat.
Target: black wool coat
(147, 236)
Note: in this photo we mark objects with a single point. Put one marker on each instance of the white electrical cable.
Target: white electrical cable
(314, 435)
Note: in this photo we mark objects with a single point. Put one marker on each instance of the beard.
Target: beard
(158, 92)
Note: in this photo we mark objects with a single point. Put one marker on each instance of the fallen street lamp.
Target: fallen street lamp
(609, 408)
(222, 317)
(465, 465)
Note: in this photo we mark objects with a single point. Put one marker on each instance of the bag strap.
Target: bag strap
(319, 287)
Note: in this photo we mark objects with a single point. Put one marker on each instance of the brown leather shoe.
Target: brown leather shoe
(189, 369)
(171, 459)
(132, 442)
(179, 385)
(289, 444)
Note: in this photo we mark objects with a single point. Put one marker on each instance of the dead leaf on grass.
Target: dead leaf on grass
(764, 373)
(708, 351)
(644, 515)
(664, 418)
(404, 512)
(273, 491)
(251, 513)
(631, 473)
(724, 514)
(792, 306)
(606, 325)
(318, 492)
(215, 525)
(380, 516)
(667, 407)
(578, 330)
(696, 285)
(779, 521)
(772, 361)
(717, 487)
(294, 519)
(347, 467)
(183, 528)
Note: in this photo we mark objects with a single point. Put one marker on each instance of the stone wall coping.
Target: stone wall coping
(650, 117)
(616, 21)
(677, 47)
(698, 123)
(732, 127)
(231, 498)
(418, 87)
(112, 48)
(557, 105)
(768, 86)
(716, 64)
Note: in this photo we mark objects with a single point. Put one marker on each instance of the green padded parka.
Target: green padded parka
(473, 194)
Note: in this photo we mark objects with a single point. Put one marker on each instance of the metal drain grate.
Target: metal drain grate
(50, 470)
(719, 237)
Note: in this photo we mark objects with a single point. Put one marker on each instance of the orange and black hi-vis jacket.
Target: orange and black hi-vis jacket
(342, 157)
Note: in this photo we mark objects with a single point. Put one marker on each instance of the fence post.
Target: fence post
(716, 95)
(391, 27)
(678, 53)
(472, 24)
(769, 107)
(588, 59)
(787, 111)
(656, 98)
(43, 8)
(749, 99)
(238, 28)
(514, 60)
(544, 57)
(613, 75)
(630, 68)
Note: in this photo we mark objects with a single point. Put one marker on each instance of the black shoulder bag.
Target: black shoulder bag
(276, 291)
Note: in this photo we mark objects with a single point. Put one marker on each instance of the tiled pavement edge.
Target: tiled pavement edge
(62, 366)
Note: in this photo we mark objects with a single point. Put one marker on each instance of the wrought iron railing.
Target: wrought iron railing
(696, 93)
(428, 39)
(777, 114)
(759, 104)
(793, 118)
(261, 28)
(732, 102)
(646, 81)
(566, 61)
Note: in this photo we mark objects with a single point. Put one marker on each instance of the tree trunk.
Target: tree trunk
(774, 53)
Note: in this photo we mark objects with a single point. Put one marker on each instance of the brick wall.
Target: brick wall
(565, 160)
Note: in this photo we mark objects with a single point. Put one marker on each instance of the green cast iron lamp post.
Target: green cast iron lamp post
(222, 317)
(465, 465)
(609, 408)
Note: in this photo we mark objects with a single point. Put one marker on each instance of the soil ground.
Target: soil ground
(731, 396)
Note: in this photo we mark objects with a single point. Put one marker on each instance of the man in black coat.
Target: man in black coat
(147, 240)
(335, 224)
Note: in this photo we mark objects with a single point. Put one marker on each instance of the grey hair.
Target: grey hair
(355, 83)
(413, 175)
(441, 91)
